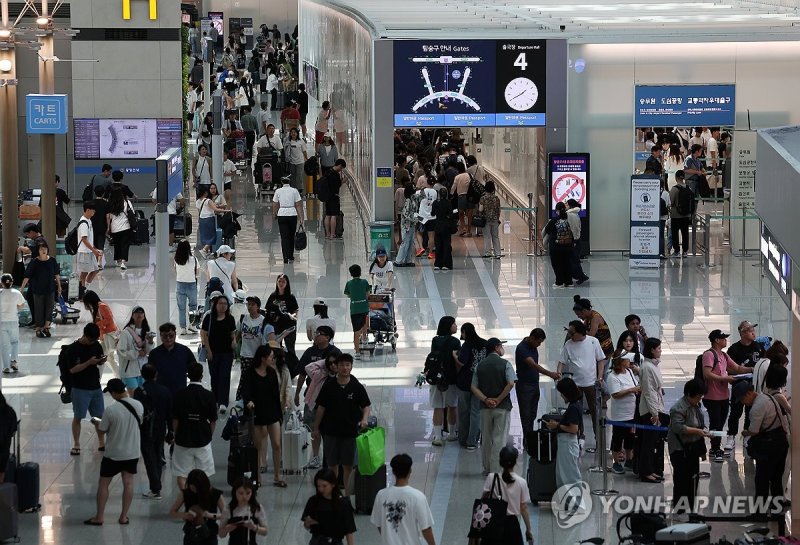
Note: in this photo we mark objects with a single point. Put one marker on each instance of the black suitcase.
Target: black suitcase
(142, 231)
(367, 488)
(183, 225)
(242, 464)
(9, 517)
(542, 466)
(27, 480)
(339, 231)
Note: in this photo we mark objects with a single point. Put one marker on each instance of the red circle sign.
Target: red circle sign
(569, 186)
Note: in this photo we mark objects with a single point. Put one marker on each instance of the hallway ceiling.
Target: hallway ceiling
(583, 20)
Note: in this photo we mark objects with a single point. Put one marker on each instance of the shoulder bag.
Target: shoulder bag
(489, 514)
(300, 239)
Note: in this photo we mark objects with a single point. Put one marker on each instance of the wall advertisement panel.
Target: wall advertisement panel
(645, 229)
(569, 179)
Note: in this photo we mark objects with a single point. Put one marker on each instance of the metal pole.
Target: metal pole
(531, 227)
(600, 434)
(9, 175)
(693, 221)
(163, 273)
(605, 491)
(707, 241)
(216, 139)
(47, 141)
(744, 231)
(208, 49)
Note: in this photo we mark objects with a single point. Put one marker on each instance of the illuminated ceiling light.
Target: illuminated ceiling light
(5, 33)
(5, 65)
(42, 21)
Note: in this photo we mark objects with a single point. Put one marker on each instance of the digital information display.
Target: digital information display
(685, 105)
(125, 138)
(776, 264)
(460, 83)
(569, 179)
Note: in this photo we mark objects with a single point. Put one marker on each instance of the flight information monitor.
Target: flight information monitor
(481, 83)
(125, 138)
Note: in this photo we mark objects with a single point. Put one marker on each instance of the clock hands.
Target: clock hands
(519, 95)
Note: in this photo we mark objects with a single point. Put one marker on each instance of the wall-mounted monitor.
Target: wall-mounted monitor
(125, 138)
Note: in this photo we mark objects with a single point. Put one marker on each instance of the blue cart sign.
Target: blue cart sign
(46, 114)
(685, 105)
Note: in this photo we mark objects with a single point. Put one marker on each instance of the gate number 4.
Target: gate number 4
(521, 62)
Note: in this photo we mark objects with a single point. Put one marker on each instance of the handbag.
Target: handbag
(130, 214)
(196, 533)
(478, 220)
(759, 446)
(300, 239)
(489, 514)
(202, 353)
(371, 447)
(65, 394)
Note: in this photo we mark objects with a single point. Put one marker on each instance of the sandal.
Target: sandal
(39, 334)
(14, 367)
(92, 522)
(75, 451)
(280, 484)
(126, 521)
(46, 332)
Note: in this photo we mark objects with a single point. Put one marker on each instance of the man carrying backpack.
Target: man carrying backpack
(680, 212)
(717, 368)
(157, 402)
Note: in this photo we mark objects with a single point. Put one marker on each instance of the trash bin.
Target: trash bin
(380, 234)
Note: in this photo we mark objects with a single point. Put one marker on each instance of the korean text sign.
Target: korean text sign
(685, 105)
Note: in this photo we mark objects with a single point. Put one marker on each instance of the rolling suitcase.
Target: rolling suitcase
(26, 478)
(9, 517)
(11, 466)
(295, 443)
(542, 448)
(367, 488)
(142, 231)
(243, 455)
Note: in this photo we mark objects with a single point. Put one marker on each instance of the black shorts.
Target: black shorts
(226, 186)
(109, 468)
(358, 321)
(339, 450)
(332, 206)
(5, 454)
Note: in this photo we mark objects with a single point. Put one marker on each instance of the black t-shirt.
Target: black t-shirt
(313, 353)
(335, 517)
(195, 408)
(191, 499)
(573, 415)
(99, 223)
(746, 355)
(89, 378)
(445, 346)
(287, 304)
(41, 275)
(219, 333)
(343, 405)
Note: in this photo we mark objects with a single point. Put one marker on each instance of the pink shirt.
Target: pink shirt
(717, 390)
(318, 373)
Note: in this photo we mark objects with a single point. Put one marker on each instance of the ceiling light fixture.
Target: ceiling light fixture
(5, 65)
(42, 21)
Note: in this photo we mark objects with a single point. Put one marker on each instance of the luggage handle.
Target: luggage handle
(18, 442)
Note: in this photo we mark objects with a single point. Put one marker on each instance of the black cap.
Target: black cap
(115, 386)
(254, 299)
(717, 334)
(493, 343)
(740, 390)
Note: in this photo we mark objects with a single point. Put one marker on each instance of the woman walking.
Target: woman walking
(514, 490)
(245, 518)
(489, 206)
(11, 301)
(296, 156)
(687, 445)
(135, 343)
(201, 168)
(119, 226)
(327, 153)
(186, 269)
(569, 428)
(557, 236)
(265, 393)
(104, 318)
(202, 507)
(207, 224)
(446, 225)
(327, 515)
(44, 276)
(218, 336)
(287, 208)
(287, 307)
(323, 124)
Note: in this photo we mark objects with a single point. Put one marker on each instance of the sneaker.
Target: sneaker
(452, 437)
(730, 443)
(7, 371)
(191, 329)
(618, 468)
(489, 256)
(437, 268)
(184, 331)
(123, 266)
(558, 286)
(431, 255)
(315, 463)
(445, 268)
(223, 409)
(150, 495)
(472, 448)
(357, 356)
(420, 252)
(718, 457)
(437, 442)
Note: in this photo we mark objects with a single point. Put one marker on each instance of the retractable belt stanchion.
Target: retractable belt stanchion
(600, 436)
(601, 447)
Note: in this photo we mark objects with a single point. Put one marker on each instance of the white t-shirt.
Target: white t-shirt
(381, 273)
(228, 166)
(119, 222)
(312, 324)
(123, 436)
(186, 272)
(265, 141)
(294, 152)
(287, 196)
(223, 269)
(514, 493)
(401, 512)
(202, 169)
(426, 204)
(623, 408)
(10, 299)
(205, 210)
(219, 200)
(172, 206)
(581, 360)
(85, 229)
(251, 330)
(712, 148)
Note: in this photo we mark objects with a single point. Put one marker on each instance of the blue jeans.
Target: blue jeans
(220, 375)
(185, 292)
(9, 343)
(469, 419)
(404, 253)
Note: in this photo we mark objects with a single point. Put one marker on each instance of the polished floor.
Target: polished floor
(506, 298)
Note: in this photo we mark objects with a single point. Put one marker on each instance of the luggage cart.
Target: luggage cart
(382, 329)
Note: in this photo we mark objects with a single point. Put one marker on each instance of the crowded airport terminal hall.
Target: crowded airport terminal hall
(422, 272)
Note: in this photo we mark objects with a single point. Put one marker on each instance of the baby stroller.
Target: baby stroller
(382, 328)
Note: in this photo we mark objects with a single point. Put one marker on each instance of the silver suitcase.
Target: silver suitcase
(683, 534)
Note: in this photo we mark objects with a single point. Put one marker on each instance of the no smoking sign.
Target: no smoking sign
(569, 186)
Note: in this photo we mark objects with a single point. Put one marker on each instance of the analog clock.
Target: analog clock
(521, 94)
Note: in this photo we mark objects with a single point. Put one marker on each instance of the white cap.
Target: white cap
(225, 249)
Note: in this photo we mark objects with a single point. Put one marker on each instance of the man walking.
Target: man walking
(583, 357)
(87, 255)
(120, 423)
(492, 382)
(574, 220)
(526, 358)
(680, 213)
(171, 360)
(401, 512)
(746, 351)
(156, 423)
(194, 418)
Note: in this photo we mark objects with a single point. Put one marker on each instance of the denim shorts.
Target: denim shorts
(91, 400)
(133, 382)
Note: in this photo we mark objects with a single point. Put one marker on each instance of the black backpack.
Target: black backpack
(698, 366)
(64, 364)
(664, 210)
(311, 166)
(88, 191)
(148, 425)
(321, 189)
(71, 242)
(434, 371)
(475, 190)
(685, 202)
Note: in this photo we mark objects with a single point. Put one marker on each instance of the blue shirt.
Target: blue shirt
(525, 374)
(172, 366)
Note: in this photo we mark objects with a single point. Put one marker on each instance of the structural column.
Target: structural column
(47, 79)
(9, 175)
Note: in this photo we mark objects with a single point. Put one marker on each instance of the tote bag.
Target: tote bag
(489, 514)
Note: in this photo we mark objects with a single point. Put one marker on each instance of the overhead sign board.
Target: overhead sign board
(685, 105)
(46, 114)
(481, 83)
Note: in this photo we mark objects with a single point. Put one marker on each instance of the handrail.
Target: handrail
(361, 203)
(525, 210)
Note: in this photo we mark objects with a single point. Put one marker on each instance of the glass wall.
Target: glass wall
(341, 51)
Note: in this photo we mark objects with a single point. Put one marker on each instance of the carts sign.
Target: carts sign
(126, 9)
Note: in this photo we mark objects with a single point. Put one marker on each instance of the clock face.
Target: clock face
(521, 94)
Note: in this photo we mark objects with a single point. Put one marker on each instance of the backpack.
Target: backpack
(321, 189)
(563, 233)
(148, 425)
(698, 366)
(311, 166)
(685, 202)
(434, 372)
(64, 363)
(702, 186)
(71, 242)
(88, 191)
(475, 190)
(664, 210)
(214, 284)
